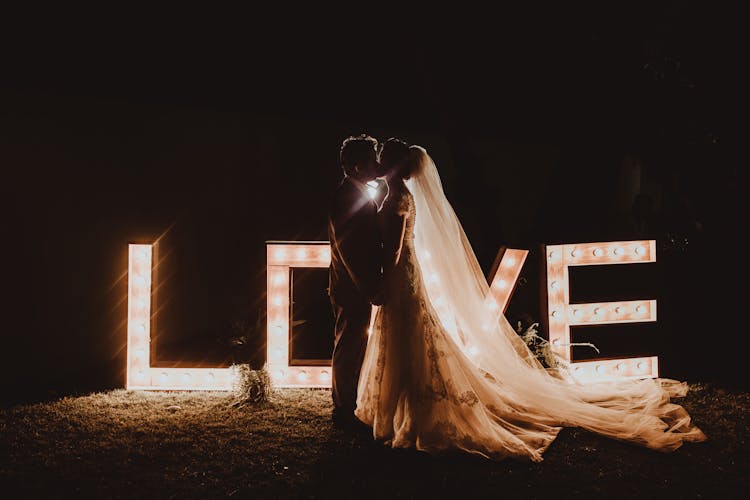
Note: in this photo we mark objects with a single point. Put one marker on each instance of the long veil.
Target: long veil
(632, 410)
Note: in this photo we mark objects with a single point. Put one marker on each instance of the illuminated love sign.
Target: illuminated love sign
(563, 314)
(285, 372)
(140, 375)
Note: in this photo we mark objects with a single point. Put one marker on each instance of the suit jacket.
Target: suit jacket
(356, 250)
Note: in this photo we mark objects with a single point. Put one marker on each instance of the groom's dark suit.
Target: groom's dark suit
(354, 282)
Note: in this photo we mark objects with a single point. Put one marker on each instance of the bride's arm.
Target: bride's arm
(393, 227)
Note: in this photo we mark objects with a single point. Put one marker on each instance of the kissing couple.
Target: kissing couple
(440, 370)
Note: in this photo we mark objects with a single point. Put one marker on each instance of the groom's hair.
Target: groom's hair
(356, 149)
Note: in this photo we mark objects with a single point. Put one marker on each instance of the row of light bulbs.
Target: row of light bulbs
(600, 252)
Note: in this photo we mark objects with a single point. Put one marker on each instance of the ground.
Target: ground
(122, 444)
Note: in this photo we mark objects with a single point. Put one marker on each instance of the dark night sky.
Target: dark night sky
(225, 126)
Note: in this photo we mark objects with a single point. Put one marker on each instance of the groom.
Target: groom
(355, 272)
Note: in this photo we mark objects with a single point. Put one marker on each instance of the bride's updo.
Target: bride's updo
(413, 163)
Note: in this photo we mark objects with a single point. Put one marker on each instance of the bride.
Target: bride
(443, 371)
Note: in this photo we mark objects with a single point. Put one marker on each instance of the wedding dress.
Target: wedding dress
(443, 371)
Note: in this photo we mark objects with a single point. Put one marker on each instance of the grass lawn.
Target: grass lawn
(122, 444)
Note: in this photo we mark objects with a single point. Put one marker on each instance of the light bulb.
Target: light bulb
(139, 375)
(277, 300)
(279, 374)
(302, 376)
(556, 342)
(210, 377)
(575, 253)
(577, 312)
(618, 367)
(597, 311)
(493, 305)
(554, 314)
(552, 254)
(301, 253)
(639, 309)
(501, 283)
(555, 285)
(599, 368)
(325, 376)
(618, 251)
(641, 365)
(278, 279)
(639, 250)
(511, 261)
(279, 253)
(163, 377)
(186, 378)
(325, 254)
(597, 252)
(618, 310)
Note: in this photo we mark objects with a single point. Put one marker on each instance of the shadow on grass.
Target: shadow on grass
(122, 444)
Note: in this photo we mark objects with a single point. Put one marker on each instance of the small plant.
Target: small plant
(253, 386)
(542, 348)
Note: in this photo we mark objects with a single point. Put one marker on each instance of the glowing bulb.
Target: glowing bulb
(278, 354)
(140, 304)
(278, 279)
(139, 328)
(139, 281)
(555, 285)
(139, 354)
(279, 374)
(278, 330)
(552, 254)
(277, 300)
(597, 252)
(641, 365)
(501, 283)
(210, 377)
(372, 189)
(186, 378)
(139, 376)
(639, 309)
(599, 368)
(575, 253)
(556, 342)
(279, 253)
(618, 251)
(618, 310)
(493, 305)
(576, 368)
(618, 367)
(141, 255)
(639, 250)
(325, 376)
(325, 254)
(577, 312)
(302, 376)
(554, 314)
(301, 253)
(511, 261)
(597, 311)
(163, 377)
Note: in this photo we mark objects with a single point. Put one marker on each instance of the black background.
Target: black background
(218, 131)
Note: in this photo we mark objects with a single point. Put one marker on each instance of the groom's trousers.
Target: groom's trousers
(350, 342)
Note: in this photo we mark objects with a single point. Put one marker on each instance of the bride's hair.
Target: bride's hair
(413, 163)
(393, 152)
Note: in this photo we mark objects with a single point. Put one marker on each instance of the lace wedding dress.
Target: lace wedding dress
(442, 372)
